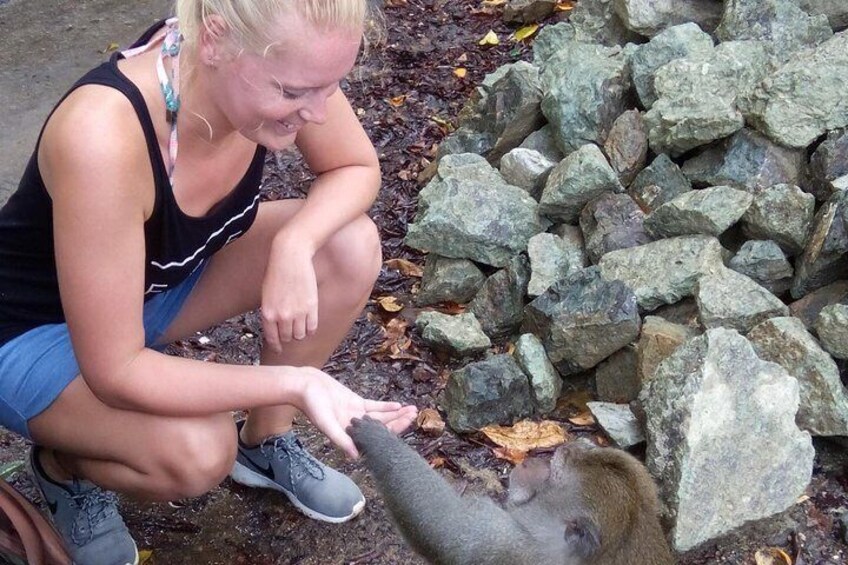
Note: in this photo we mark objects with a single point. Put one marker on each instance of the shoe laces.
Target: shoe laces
(95, 506)
(300, 460)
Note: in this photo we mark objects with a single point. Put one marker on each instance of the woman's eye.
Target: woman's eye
(290, 95)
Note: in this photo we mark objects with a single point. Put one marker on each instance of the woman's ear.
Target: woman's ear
(214, 39)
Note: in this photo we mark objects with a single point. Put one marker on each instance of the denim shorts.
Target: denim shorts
(36, 366)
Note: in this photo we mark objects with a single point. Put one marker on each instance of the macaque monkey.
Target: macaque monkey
(587, 505)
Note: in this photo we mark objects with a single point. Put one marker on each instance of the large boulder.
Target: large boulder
(727, 449)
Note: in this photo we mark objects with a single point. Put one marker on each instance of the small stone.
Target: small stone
(825, 257)
(658, 183)
(446, 279)
(552, 258)
(707, 211)
(649, 17)
(499, 305)
(832, 329)
(618, 422)
(615, 377)
(783, 213)
(610, 222)
(627, 146)
(528, 11)
(658, 340)
(765, 264)
(732, 300)
(545, 382)
(828, 165)
(527, 169)
(459, 335)
(543, 141)
(808, 308)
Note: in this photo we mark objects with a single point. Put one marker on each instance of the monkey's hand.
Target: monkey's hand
(371, 436)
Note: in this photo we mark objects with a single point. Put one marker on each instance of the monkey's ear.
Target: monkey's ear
(583, 537)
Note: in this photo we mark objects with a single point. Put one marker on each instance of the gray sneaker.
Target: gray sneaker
(283, 464)
(86, 518)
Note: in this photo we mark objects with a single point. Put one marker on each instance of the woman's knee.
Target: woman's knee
(196, 457)
(354, 254)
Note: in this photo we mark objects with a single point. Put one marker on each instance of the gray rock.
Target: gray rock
(824, 259)
(457, 280)
(582, 319)
(765, 263)
(832, 329)
(545, 382)
(473, 220)
(586, 88)
(577, 179)
(469, 167)
(683, 312)
(528, 11)
(746, 160)
(657, 341)
(543, 140)
(552, 258)
(663, 272)
(731, 300)
(683, 118)
(494, 391)
(610, 222)
(551, 39)
(618, 422)
(512, 107)
(824, 404)
(809, 85)
(650, 17)
(459, 335)
(708, 211)
(835, 10)
(783, 213)
(828, 164)
(727, 448)
(658, 183)
(527, 169)
(500, 303)
(627, 146)
(807, 309)
(595, 21)
(673, 43)
(616, 379)
(466, 140)
(781, 22)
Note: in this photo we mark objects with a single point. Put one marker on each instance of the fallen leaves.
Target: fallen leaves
(407, 268)
(460, 72)
(772, 556)
(525, 32)
(430, 421)
(564, 6)
(396, 343)
(390, 304)
(397, 101)
(526, 435)
(489, 39)
(582, 419)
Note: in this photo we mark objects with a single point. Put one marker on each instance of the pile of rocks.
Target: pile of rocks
(660, 198)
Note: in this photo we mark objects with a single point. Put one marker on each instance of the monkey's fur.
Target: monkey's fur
(586, 506)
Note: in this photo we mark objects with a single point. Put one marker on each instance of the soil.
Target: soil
(408, 96)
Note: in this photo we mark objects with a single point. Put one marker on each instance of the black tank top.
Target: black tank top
(175, 244)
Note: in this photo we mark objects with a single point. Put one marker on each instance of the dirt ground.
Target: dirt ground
(407, 95)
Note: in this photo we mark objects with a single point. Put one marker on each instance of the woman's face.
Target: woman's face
(269, 98)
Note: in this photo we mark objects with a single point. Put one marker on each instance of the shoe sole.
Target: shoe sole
(244, 476)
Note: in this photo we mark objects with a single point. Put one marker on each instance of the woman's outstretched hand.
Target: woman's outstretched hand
(331, 406)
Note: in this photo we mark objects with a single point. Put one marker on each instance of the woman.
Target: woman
(138, 222)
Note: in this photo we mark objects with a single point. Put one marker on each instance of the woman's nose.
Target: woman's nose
(315, 109)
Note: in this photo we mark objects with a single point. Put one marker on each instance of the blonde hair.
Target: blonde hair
(251, 21)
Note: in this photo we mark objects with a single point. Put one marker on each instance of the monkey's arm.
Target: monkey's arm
(438, 523)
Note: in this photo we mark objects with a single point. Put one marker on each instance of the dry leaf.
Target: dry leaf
(460, 72)
(510, 349)
(431, 422)
(451, 308)
(395, 3)
(525, 32)
(390, 304)
(437, 462)
(576, 400)
(490, 38)
(514, 456)
(397, 101)
(144, 556)
(772, 556)
(493, 3)
(564, 6)
(526, 435)
(406, 268)
(582, 419)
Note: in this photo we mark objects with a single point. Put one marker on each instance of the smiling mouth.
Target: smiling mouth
(288, 126)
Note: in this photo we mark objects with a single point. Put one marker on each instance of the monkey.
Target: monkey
(586, 505)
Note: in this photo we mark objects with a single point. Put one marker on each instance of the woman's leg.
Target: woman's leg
(345, 267)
